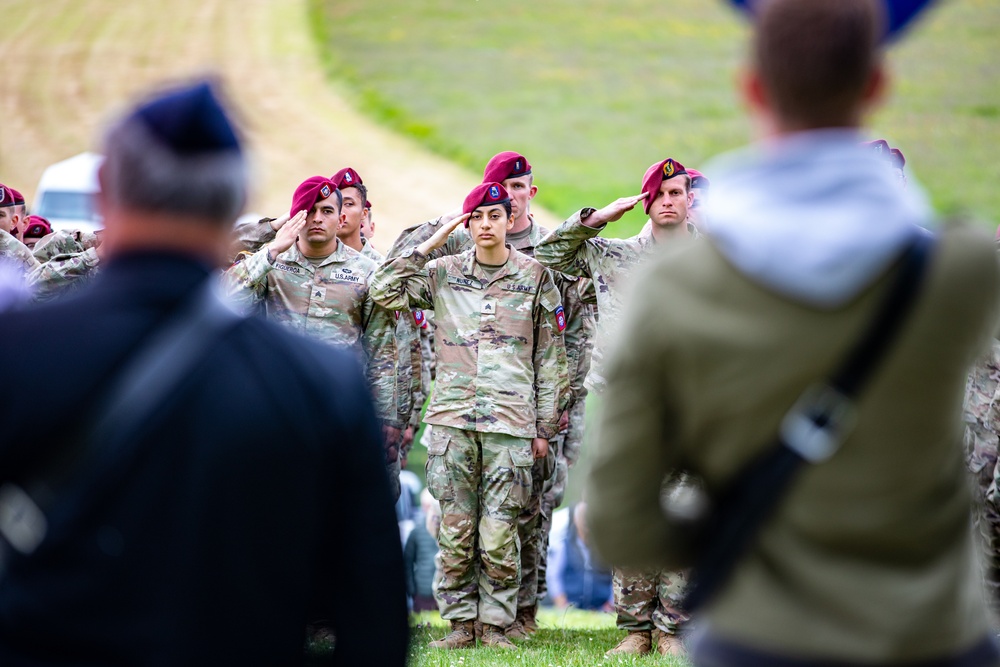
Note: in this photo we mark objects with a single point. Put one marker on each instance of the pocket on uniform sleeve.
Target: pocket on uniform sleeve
(438, 479)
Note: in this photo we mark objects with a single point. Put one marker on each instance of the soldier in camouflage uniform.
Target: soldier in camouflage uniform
(356, 209)
(64, 242)
(514, 172)
(500, 389)
(982, 435)
(643, 600)
(310, 281)
(11, 248)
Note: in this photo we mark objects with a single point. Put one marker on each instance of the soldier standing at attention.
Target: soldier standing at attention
(514, 172)
(411, 390)
(312, 282)
(501, 380)
(644, 599)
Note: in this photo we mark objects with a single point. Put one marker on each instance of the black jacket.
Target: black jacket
(256, 500)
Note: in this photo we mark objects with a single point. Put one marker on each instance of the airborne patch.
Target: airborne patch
(286, 268)
(419, 318)
(561, 319)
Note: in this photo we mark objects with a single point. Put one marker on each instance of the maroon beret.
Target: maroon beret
(37, 227)
(6, 196)
(484, 194)
(345, 178)
(310, 191)
(505, 165)
(654, 177)
(18, 197)
(698, 179)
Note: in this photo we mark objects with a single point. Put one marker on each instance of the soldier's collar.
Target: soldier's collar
(509, 268)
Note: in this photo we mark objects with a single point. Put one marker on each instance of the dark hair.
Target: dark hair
(361, 188)
(815, 57)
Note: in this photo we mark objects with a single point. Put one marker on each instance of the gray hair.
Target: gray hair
(140, 172)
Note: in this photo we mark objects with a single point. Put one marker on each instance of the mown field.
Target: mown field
(593, 92)
(569, 638)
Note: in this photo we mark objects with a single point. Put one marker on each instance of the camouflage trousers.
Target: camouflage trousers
(529, 524)
(483, 481)
(567, 451)
(986, 515)
(645, 599)
(392, 470)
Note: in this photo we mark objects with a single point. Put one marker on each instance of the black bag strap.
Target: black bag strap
(145, 382)
(810, 432)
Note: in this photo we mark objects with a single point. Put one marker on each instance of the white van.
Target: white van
(65, 194)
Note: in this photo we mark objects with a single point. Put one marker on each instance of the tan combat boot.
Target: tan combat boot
(493, 635)
(529, 621)
(518, 630)
(670, 644)
(636, 642)
(462, 635)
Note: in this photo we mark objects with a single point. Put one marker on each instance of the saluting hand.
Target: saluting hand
(441, 236)
(613, 211)
(279, 222)
(286, 236)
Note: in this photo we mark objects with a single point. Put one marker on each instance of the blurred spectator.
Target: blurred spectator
(36, 228)
(575, 576)
(420, 553)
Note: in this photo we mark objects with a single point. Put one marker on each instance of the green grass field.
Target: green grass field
(593, 92)
(569, 638)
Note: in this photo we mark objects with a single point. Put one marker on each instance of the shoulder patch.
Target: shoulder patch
(561, 319)
(419, 319)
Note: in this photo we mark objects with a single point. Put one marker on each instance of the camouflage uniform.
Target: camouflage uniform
(501, 380)
(63, 272)
(409, 362)
(63, 242)
(982, 434)
(329, 301)
(16, 252)
(579, 321)
(642, 598)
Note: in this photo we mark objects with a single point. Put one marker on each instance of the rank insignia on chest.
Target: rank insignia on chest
(319, 292)
(489, 307)
(561, 319)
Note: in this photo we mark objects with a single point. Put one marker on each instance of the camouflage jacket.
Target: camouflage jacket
(982, 416)
(580, 322)
(63, 272)
(577, 250)
(16, 252)
(63, 242)
(501, 364)
(330, 302)
(410, 364)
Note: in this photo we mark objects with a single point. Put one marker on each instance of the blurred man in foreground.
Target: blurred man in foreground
(245, 501)
(860, 563)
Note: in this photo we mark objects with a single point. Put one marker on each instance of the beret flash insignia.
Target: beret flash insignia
(325, 191)
(668, 169)
(494, 192)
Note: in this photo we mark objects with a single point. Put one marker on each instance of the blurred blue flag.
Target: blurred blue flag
(899, 12)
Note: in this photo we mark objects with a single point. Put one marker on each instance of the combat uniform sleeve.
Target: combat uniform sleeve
(638, 445)
(379, 341)
(246, 282)
(551, 384)
(577, 336)
(16, 251)
(404, 283)
(458, 241)
(251, 237)
(62, 271)
(572, 248)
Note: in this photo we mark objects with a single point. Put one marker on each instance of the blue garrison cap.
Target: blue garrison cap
(190, 120)
(899, 13)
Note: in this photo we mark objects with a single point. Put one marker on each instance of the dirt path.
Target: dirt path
(68, 63)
